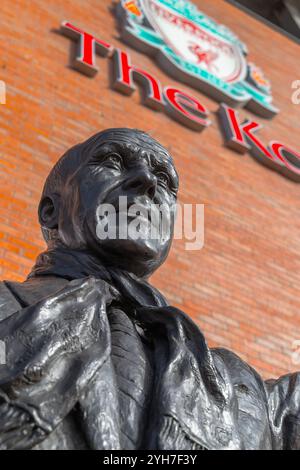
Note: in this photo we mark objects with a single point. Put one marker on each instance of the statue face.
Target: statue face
(146, 179)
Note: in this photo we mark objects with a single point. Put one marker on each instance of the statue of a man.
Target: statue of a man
(95, 356)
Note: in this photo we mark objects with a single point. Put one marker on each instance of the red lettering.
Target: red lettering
(234, 134)
(125, 74)
(289, 158)
(241, 137)
(183, 107)
(186, 109)
(88, 46)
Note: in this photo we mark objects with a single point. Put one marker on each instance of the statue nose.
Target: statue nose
(142, 181)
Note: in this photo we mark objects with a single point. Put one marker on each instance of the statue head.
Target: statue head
(112, 164)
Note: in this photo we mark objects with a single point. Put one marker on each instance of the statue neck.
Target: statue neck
(76, 264)
(69, 264)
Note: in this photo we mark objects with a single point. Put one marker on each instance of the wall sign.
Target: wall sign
(240, 136)
(196, 50)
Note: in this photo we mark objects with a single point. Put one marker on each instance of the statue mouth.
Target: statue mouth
(133, 220)
(133, 207)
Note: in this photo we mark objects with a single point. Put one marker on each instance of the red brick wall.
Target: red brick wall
(243, 287)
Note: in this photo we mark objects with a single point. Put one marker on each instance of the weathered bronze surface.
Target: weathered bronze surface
(95, 356)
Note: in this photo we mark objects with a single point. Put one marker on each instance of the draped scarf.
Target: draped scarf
(193, 402)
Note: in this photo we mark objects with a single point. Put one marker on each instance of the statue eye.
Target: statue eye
(114, 160)
(163, 179)
(165, 182)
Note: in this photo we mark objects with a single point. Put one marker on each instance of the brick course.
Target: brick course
(243, 287)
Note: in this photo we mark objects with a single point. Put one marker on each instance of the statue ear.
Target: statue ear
(49, 210)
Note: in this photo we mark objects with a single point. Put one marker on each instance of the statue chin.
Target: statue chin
(137, 256)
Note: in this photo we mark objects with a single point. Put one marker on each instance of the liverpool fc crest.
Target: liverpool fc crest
(196, 50)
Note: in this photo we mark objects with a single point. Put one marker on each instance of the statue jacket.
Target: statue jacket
(96, 359)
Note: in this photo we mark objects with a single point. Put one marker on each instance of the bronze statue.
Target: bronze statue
(95, 356)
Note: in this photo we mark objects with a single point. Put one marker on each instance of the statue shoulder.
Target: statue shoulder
(17, 295)
(9, 303)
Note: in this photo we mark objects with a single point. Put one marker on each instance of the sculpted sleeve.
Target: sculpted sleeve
(53, 350)
(284, 411)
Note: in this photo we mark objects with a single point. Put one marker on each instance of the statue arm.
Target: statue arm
(276, 401)
(18, 428)
(54, 348)
(283, 397)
